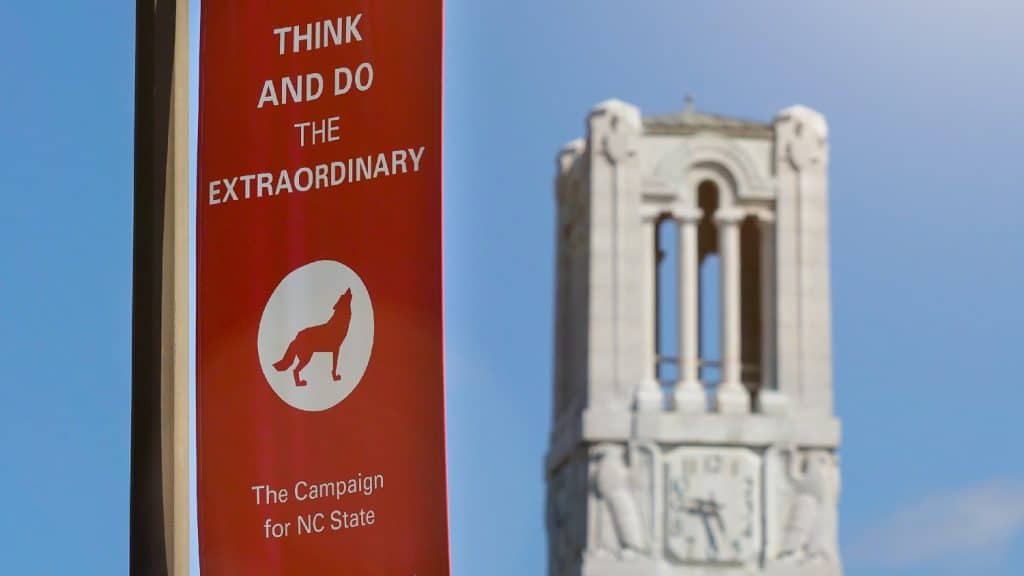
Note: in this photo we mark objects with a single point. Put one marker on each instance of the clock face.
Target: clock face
(713, 505)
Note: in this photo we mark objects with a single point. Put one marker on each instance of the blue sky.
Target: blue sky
(926, 132)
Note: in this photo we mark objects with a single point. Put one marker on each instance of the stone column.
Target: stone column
(804, 356)
(689, 394)
(648, 396)
(732, 396)
(613, 248)
(771, 401)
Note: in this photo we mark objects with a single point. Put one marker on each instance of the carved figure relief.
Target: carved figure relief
(809, 535)
(642, 484)
(621, 514)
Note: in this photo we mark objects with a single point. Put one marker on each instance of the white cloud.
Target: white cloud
(967, 527)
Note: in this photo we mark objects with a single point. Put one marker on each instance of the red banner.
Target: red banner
(320, 398)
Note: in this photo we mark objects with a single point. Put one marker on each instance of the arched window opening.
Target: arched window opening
(709, 285)
(667, 287)
(751, 319)
(707, 232)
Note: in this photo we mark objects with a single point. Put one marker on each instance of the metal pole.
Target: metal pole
(160, 340)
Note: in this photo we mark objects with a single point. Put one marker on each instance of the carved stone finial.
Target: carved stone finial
(569, 154)
(802, 137)
(614, 125)
(616, 142)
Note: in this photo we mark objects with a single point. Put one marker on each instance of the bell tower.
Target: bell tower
(693, 428)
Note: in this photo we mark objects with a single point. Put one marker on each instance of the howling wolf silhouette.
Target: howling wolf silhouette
(326, 337)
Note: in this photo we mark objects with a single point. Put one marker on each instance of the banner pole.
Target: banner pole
(159, 515)
(176, 282)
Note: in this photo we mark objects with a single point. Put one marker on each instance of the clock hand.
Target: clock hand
(715, 511)
(706, 509)
(696, 507)
(700, 507)
(711, 533)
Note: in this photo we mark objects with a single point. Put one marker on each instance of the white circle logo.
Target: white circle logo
(316, 335)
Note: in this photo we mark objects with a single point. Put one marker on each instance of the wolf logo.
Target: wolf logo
(326, 337)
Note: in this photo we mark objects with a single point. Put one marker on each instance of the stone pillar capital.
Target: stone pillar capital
(687, 215)
(650, 214)
(729, 217)
(765, 219)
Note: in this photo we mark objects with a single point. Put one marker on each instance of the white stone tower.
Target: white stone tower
(657, 465)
